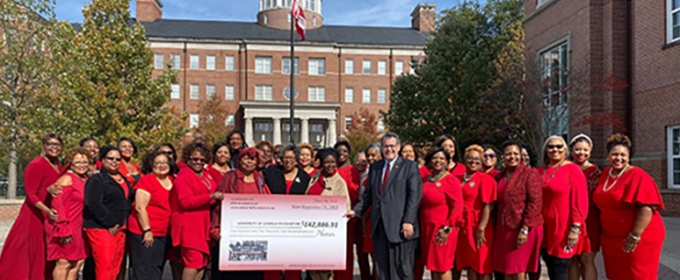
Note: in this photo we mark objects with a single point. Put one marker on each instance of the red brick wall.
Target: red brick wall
(148, 11)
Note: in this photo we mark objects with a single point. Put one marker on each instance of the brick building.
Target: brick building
(637, 42)
(339, 69)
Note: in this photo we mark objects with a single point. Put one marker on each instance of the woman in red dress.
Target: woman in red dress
(451, 146)
(306, 158)
(565, 208)
(352, 180)
(191, 199)
(220, 162)
(490, 160)
(440, 211)
(23, 255)
(632, 229)
(65, 237)
(584, 264)
(108, 196)
(150, 218)
(475, 239)
(128, 168)
(519, 224)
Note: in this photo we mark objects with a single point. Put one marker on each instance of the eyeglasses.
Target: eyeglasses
(389, 146)
(167, 153)
(53, 144)
(559, 147)
(469, 159)
(116, 159)
(198, 160)
(288, 158)
(161, 163)
(489, 155)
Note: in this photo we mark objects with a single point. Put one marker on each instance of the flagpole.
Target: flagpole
(292, 78)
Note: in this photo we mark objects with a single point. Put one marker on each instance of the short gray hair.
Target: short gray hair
(388, 136)
(290, 147)
(358, 154)
(376, 146)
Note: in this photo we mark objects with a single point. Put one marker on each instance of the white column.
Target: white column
(249, 131)
(332, 130)
(304, 130)
(277, 131)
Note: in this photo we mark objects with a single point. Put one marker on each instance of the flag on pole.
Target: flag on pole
(299, 17)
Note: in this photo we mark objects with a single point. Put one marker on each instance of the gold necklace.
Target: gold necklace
(606, 182)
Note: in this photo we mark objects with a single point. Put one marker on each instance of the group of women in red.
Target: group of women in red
(97, 207)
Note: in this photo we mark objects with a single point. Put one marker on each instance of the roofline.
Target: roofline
(287, 43)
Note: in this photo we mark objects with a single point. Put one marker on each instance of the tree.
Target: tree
(105, 84)
(363, 132)
(212, 126)
(25, 26)
(470, 83)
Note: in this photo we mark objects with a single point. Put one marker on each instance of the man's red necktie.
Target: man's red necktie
(387, 175)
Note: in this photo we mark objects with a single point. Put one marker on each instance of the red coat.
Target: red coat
(353, 180)
(524, 198)
(190, 203)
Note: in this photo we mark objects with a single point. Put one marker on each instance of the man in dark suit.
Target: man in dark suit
(394, 189)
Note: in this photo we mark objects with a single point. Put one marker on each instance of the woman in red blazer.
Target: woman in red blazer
(190, 201)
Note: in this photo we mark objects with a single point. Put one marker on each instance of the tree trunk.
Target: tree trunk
(12, 174)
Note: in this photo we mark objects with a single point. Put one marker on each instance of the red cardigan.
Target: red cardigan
(524, 198)
(190, 203)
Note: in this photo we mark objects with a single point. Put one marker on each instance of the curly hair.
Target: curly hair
(618, 139)
(73, 152)
(194, 146)
(433, 151)
(149, 159)
(474, 148)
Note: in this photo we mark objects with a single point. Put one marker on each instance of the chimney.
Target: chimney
(423, 17)
(149, 10)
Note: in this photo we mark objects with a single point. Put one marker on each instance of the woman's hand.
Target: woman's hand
(631, 243)
(147, 241)
(572, 239)
(66, 240)
(479, 237)
(521, 239)
(441, 237)
(52, 214)
(217, 196)
(113, 230)
(54, 190)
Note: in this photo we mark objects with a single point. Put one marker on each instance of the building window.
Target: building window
(229, 121)
(314, 21)
(349, 95)
(554, 67)
(382, 67)
(316, 94)
(285, 66)
(414, 65)
(193, 62)
(266, 19)
(348, 123)
(268, 4)
(287, 3)
(175, 93)
(310, 5)
(193, 91)
(228, 92)
(158, 61)
(673, 20)
(263, 65)
(366, 65)
(210, 62)
(290, 17)
(349, 66)
(399, 67)
(317, 66)
(229, 63)
(366, 96)
(176, 60)
(673, 157)
(194, 119)
(381, 125)
(382, 96)
(209, 91)
(263, 92)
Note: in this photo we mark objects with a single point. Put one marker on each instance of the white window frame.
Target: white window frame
(263, 65)
(554, 97)
(175, 91)
(209, 91)
(349, 95)
(229, 92)
(210, 62)
(399, 67)
(317, 67)
(229, 63)
(194, 62)
(263, 92)
(229, 121)
(316, 94)
(158, 61)
(285, 65)
(382, 67)
(194, 92)
(366, 65)
(366, 95)
(176, 61)
(348, 122)
(382, 96)
(669, 21)
(349, 66)
(671, 156)
(380, 127)
(194, 120)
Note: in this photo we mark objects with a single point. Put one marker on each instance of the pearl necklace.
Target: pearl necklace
(466, 178)
(435, 179)
(606, 182)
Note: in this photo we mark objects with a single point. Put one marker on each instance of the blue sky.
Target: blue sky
(335, 12)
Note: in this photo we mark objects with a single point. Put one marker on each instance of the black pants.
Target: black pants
(146, 263)
(395, 260)
(558, 268)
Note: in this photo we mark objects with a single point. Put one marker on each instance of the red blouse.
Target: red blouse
(158, 208)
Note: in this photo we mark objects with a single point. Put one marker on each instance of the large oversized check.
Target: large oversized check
(283, 232)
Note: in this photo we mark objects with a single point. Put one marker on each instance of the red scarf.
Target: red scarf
(320, 185)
